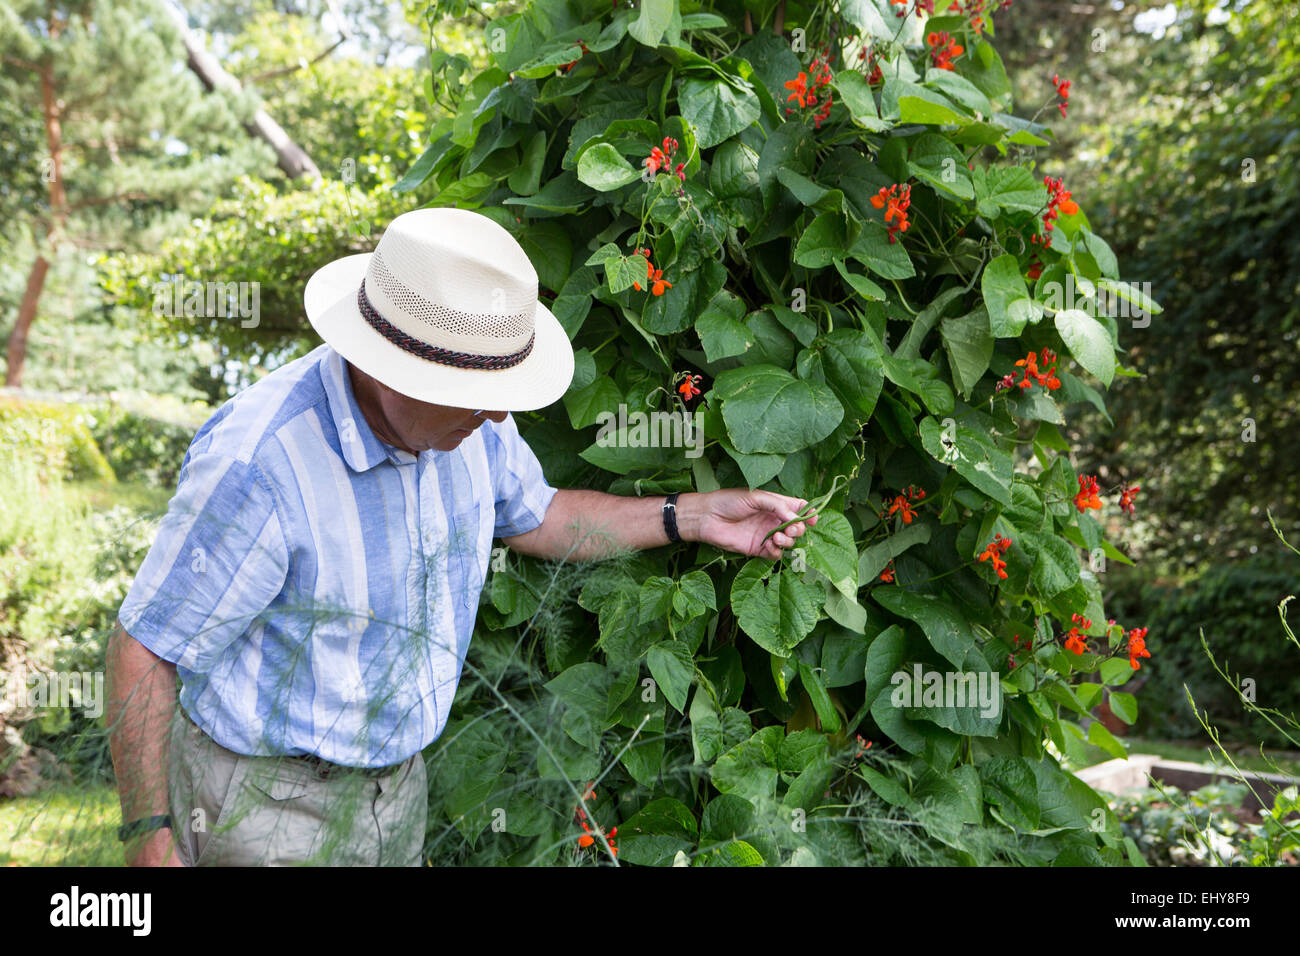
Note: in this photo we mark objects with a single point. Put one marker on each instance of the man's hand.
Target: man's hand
(736, 519)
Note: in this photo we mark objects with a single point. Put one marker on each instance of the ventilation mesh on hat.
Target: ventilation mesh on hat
(444, 319)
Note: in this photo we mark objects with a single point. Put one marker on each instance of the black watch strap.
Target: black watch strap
(670, 517)
(133, 829)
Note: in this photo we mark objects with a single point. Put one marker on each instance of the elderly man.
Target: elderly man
(314, 584)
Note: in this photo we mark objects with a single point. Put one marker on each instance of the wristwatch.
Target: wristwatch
(670, 517)
(133, 829)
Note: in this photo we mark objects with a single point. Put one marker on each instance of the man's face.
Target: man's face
(412, 425)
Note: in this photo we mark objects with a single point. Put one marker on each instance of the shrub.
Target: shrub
(709, 208)
(56, 437)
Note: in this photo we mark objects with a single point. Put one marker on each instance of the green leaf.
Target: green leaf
(603, 168)
(1088, 341)
(937, 162)
(825, 237)
(1010, 188)
(821, 701)
(653, 835)
(917, 104)
(1099, 736)
(945, 628)
(1124, 706)
(970, 347)
(859, 283)
(857, 97)
(673, 667)
(850, 363)
(1116, 670)
(769, 411)
(1007, 298)
(717, 110)
(886, 788)
(959, 89)
(776, 609)
(655, 17)
(1056, 565)
(829, 548)
(748, 770)
(875, 558)
(1011, 785)
(874, 250)
(974, 455)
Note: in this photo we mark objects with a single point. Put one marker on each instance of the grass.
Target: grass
(63, 826)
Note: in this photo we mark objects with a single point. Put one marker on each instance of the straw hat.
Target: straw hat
(445, 310)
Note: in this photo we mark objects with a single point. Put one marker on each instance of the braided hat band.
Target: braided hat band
(432, 352)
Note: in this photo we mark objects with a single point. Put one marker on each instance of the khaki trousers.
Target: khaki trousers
(229, 809)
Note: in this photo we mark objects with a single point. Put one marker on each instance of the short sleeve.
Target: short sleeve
(218, 561)
(522, 494)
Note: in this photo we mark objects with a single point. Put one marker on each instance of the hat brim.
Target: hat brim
(541, 379)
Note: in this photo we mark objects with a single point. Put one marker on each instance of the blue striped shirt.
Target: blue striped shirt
(317, 588)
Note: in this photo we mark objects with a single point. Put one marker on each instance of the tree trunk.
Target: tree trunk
(26, 313)
(291, 157)
(51, 110)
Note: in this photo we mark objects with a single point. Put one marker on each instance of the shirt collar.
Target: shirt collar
(361, 449)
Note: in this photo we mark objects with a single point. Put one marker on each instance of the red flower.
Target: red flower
(902, 503)
(1137, 646)
(800, 86)
(1063, 91)
(996, 548)
(887, 575)
(1075, 641)
(661, 158)
(898, 197)
(1035, 270)
(1126, 498)
(1058, 201)
(1087, 496)
(943, 48)
(863, 747)
(1045, 377)
(654, 276)
(690, 386)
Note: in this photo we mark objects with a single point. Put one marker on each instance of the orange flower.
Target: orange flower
(1137, 646)
(996, 548)
(1126, 498)
(654, 276)
(898, 197)
(943, 49)
(887, 575)
(1074, 641)
(1087, 496)
(800, 86)
(689, 387)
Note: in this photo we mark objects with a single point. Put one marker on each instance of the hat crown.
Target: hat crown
(454, 279)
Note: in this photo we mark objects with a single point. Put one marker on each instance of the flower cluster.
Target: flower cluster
(663, 159)
(1063, 91)
(1074, 641)
(1137, 646)
(1058, 201)
(654, 276)
(863, 746)
(898, 197)
(874, 73)
(1015, 646)
(903, 503)
(820, 71)
(1126, 498)
(943, 49)
(588, 835)
(994, 552)
(1088, 494)
(1046, 378)
(887, 575)
(690, 386)
(1035, 270)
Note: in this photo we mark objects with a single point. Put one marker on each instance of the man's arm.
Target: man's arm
(583, 525)
(141, 701)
